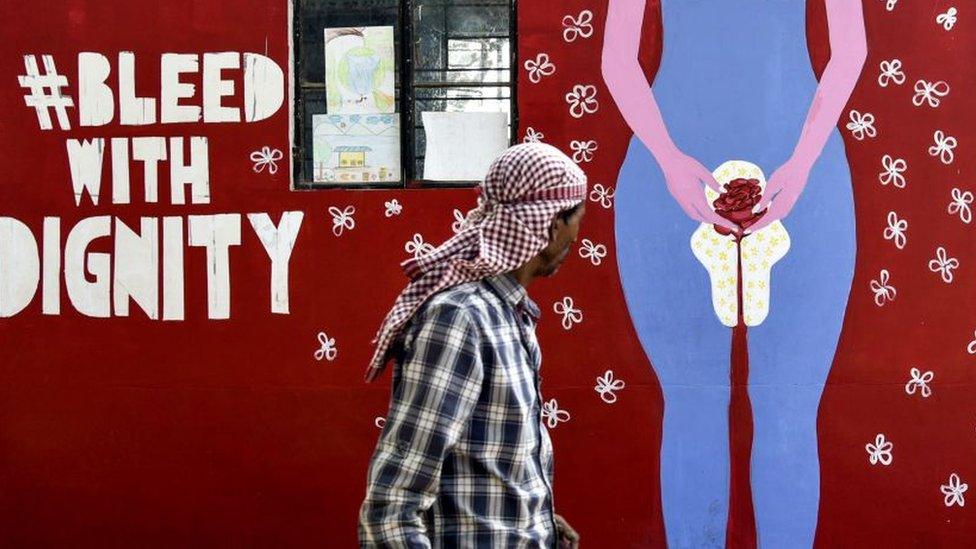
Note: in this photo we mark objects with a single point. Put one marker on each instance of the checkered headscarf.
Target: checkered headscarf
(525, 188)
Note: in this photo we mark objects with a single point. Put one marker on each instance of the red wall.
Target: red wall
(130, 431)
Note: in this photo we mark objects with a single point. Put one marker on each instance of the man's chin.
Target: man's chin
(550, 271)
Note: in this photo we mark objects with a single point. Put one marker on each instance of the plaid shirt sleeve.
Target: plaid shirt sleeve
(436, 386)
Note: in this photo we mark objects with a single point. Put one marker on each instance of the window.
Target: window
(448, 56)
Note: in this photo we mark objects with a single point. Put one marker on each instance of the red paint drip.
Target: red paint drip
(736, 203)
(741, 527)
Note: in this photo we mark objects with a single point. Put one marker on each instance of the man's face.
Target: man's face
(562, 236)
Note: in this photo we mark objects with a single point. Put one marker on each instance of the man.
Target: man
(464, 459)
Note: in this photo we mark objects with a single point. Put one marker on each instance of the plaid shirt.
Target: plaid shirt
(464, 459)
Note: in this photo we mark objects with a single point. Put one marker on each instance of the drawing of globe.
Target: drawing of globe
(361, 71)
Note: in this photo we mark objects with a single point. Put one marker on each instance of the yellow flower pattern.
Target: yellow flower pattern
(719, 254)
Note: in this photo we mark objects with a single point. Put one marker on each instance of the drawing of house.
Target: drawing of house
(356, 149)
(348, 156)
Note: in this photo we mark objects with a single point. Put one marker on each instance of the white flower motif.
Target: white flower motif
(943, 264)
(571, 315)
(603, 195)
(891, 72)
(342, 219)
(861, 125)
(893, 169)
(327, 348)
(539, 67)
(554, 416)
(919, 382)
(379, 422)
(266, 157)
(896, 230)
(890, 4)
(971, 349)
(458, 223)
(943, 148)
(393, 207)
(606, 385)
(582, 100)
(532, 136)
(961, 205)
(947, 19)
(879, 451)
(583, 150)
(417, 246)
(883, 292)
(594, 252)
(577, 27)
(954, 491)
(930, 92)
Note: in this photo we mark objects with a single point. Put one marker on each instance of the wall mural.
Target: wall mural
(735, 83)
(742, 323)
(782, 353)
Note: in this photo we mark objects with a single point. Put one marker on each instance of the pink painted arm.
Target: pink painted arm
(848, 50)
(625, 79)
(848, 47)
(684, 176)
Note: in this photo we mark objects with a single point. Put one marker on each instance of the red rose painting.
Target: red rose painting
(736, 204)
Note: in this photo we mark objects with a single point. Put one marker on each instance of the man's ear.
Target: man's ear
(554, 227)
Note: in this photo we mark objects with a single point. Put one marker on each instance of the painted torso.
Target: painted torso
(735, 79)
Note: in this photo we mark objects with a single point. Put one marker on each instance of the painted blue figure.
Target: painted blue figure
(736, 83)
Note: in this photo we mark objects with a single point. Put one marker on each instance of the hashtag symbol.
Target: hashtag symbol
(45, 92)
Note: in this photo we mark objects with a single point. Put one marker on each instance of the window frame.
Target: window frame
(405, 86)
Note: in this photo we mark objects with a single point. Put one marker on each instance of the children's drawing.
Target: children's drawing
(359, 70)
(356, 148)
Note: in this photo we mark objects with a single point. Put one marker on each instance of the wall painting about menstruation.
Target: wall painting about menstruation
(184, 336)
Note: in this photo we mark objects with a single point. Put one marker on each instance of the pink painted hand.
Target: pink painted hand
(686, 178)
(782, 191)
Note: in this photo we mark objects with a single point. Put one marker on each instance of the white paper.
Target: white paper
(462, 145)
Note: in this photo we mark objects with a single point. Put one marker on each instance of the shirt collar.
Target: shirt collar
(513, 293)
